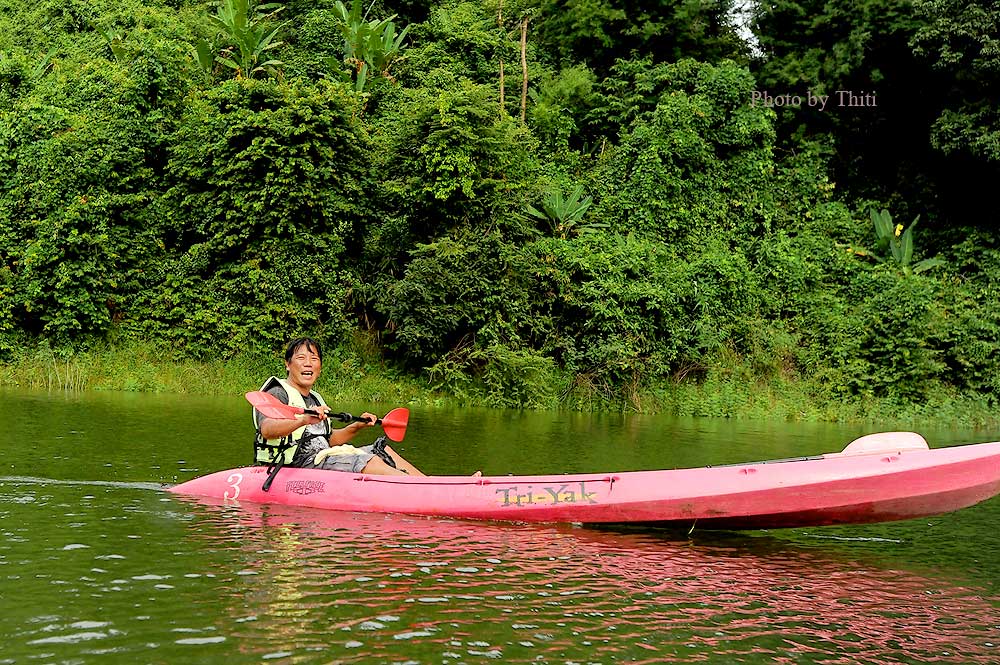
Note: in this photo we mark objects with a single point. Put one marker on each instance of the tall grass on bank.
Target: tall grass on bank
(129, 368)
(731, 389)
(354, 373)
(135, 367)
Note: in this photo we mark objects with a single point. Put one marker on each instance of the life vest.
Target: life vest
(270, 451)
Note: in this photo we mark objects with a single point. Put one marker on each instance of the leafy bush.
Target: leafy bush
(865, 330)
(559, 105)
(254, 159)
(460, 292)
(313, 42)
(499, 376)
(462, 38)
(446, 161)
(268, 186)
(877, 345)
(73, 197)
(968, 332)
(695, 166)
(598, 32)
(462, 312)
(625, 311)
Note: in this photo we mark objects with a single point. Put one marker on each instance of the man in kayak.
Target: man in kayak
(309, 440)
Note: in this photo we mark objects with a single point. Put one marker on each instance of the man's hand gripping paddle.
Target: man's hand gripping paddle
(269, 406)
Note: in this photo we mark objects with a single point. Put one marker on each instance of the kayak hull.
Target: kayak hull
(841, 488)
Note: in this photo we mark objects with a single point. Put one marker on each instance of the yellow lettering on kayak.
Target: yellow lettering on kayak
(528, 495)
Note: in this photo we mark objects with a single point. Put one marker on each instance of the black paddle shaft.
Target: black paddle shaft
(342, 417)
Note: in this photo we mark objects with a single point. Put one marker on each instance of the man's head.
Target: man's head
(308, 342)
(303, 360)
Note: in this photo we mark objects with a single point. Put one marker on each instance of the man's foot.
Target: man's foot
(477, 474)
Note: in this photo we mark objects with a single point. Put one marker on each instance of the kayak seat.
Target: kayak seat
(885, 442)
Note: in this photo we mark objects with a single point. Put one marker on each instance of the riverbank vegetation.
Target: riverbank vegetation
(529, 203)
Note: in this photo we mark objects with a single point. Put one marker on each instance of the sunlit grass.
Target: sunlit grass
(141, 368)
(355, 374)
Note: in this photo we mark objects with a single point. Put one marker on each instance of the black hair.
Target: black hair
(308, 342)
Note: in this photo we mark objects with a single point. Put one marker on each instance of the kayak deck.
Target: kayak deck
(863, 484)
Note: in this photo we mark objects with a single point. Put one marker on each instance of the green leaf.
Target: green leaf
(927, 264)
(906, 243)
(205, 54)
(883, 228)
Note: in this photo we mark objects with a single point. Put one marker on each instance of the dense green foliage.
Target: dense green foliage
(929, 141)
(214, 177)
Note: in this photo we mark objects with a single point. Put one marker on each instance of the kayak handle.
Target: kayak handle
(464, 480)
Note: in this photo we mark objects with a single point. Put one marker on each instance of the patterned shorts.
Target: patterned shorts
(352, 463)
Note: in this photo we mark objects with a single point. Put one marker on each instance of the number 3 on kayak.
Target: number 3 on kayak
(234, 481)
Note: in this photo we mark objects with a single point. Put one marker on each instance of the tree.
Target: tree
(923, 139)
(960, 41)
(598, 32)
(248, 25)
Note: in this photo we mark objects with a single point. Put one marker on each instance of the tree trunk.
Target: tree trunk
(501, 87)
(524, 67)
(500, 23)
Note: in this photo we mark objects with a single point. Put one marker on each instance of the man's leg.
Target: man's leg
(402, 464)
(377, 467)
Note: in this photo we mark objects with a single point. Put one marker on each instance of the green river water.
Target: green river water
(99, 565)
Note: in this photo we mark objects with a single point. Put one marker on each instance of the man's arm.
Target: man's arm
(273, 428)
(349, 431)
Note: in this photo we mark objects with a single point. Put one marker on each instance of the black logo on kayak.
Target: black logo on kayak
(304, 487)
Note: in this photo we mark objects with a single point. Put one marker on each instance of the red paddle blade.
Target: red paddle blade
(394, 423)
(270, 406)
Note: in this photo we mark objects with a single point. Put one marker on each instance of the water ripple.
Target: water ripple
(31, 480)
(589, 596)
(245, 584)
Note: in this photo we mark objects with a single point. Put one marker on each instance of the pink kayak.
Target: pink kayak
(878, 478)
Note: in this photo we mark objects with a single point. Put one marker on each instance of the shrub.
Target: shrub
(268, 187)
(625, 311)
(447, 162)
(78, 147)
(694, 161)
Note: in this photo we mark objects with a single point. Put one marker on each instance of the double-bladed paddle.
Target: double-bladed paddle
(269, 406)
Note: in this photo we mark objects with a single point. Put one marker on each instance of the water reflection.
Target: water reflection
(97, 564)
(391, 587)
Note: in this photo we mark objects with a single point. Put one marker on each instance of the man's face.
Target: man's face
(303, 368)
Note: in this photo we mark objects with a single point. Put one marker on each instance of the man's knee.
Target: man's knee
(376, 466)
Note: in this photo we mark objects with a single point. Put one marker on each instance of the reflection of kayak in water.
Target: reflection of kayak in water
(878, 478)
(559, 593)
